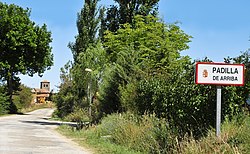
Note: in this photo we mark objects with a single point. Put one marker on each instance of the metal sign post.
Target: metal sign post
(218, 111)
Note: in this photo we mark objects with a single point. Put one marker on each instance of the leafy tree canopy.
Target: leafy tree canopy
(87, 25)
(152, 44)
(24, 47)
(126, 10)
(148, 48)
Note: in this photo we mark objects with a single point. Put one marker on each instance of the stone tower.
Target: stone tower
(45, 85)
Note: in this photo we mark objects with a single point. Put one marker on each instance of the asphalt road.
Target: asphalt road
(32, 133)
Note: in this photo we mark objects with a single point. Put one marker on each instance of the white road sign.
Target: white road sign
(219, 73)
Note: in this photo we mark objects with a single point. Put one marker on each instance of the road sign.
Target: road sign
(219, 73)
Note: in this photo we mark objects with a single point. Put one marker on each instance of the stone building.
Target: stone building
(41, 94)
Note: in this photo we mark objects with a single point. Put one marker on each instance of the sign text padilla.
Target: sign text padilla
(225, 70)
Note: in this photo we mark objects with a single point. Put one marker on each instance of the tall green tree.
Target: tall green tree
(146, 49)
(149, 43)
(87, 53)
(24, 47)
(86, 83)
(88, 21)
(125, 12)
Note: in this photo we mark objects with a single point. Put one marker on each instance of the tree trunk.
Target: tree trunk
(12, 107)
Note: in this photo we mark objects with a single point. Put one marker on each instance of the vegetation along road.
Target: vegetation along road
(33, 133)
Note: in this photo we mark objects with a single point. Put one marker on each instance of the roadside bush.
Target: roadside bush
(23, 97)
(129, 133)
(234, 138)
(79, 116)
(188, 107)
(64, 101)
(4, 101)
(146, 134)
(65, 98)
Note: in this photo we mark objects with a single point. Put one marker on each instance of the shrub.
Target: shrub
(234, 138)
(4, 101)
(64, 101)
(122, 133)
(23, 97)
(80, 116)
(146, 134)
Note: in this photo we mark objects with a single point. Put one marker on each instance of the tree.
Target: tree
(149, 44)
(87, 25)
(125, 12)
(87, 52)
(24, 46)
(148, 48)
(93, 58)
(75, 80)
(64, 99)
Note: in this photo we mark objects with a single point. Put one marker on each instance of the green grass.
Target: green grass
(88, 139)
(109, 137)
(4, 115)
(234, 139)
(125, 134)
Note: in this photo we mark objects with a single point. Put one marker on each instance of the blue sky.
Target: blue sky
(220, 28)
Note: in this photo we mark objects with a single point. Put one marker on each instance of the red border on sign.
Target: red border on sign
(211, 63)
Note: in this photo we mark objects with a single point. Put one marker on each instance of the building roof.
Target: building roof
(40, 91)
(42, 95)
(45, 81)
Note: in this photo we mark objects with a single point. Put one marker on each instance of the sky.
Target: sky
(220, 28)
